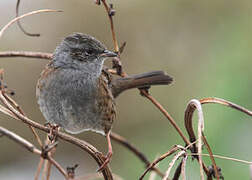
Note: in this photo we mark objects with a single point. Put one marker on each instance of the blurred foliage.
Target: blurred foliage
(204, 45)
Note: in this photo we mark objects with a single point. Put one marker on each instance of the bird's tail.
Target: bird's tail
(140, 81)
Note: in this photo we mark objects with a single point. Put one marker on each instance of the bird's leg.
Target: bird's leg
(109, 154)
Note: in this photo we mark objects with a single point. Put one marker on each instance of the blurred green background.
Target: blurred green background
(204, 45)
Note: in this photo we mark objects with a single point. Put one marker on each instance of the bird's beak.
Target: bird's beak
(107, 53)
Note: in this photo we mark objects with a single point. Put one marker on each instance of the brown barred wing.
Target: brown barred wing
(106, 102)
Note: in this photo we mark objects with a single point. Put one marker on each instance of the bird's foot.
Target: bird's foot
(106, 161)
(53, 128)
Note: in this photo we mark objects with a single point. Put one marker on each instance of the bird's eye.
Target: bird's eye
(88, 52)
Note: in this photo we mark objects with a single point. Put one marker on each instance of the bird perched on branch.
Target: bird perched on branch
(75, 92)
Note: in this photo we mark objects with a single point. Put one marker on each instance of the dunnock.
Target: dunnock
(77, 93)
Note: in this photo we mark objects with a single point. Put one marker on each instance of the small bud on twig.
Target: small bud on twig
(112, 11)
(71, 171)
(98, 2)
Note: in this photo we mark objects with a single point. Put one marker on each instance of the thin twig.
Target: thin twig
(226, 103)
(51, 153)
(19, 24)
(171, 164)
(197, 105)
(177, 172)
(45, 173)
(24, 15)
(57, 165)
(183, 167)
(223, 157)
(28, 54)
(211, 156)
(21, 141)
(111, 25)
(41, 161)
(171, 151)
(153, 174)
(6, 111)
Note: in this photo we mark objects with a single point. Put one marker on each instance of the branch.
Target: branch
(225, 103)
(24, 15)
(189, 127)
(28, 54)
(171, 151)
(19, 24)
(197, 105)
(108, 9)
(224, 157)
(171, 164)
(19, 140)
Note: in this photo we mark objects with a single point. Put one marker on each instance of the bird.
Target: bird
(76, 91)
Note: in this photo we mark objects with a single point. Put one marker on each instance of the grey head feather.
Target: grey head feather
(79, 51)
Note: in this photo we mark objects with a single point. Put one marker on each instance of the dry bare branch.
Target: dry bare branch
(6, 111)
(171, 151)
(111, 25)
(211, 156)
(153, 174)
(225, 103)
(41, 161)
(24, 15)
(19, 140)
(223, 157)
(183, 167)
(171, 164)
(197, 105)
(177, 173)
(37, 55)
(19, 24)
